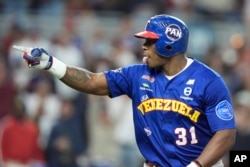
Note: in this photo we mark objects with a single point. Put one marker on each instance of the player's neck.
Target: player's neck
(175, 65)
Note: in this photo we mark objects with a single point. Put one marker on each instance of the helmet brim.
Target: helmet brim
(147, 34)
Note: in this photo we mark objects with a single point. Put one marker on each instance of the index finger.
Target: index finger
(20, 48)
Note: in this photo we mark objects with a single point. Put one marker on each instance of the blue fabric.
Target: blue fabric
(174, 119)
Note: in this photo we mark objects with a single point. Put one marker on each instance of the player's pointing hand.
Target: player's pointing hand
(35, 57)
(39, 58)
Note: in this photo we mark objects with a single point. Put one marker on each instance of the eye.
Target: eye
(149, 42)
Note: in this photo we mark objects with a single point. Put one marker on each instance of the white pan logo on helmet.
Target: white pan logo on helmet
(173, 32)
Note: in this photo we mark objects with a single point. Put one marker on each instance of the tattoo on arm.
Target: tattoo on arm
(77, 75)
(76, 78)
(85, 81)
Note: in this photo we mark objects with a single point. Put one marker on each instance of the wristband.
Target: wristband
(58, 68)
(192, 164)
(198, 163)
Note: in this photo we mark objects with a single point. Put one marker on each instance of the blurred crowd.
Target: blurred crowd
(44, 123)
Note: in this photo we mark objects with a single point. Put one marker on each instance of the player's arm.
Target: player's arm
(86, 81)
(77, 78)
(218, 104)
(217, 147)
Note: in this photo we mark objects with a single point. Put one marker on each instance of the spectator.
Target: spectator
(32, 37)
(121, 55)
(43, 107)
(66, 50)
(7, 88)
(19, 140)
(98, 48)
(15, 32)
(242, 115)
(66, 142)
(121, 114)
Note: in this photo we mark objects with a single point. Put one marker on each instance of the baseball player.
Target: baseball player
(182, 109)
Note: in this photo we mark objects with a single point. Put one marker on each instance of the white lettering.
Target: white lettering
(240, 158)
(174, 31)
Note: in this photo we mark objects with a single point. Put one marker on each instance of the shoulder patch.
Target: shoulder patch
(224, 110)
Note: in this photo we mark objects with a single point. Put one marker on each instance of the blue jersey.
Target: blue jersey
(174, 119)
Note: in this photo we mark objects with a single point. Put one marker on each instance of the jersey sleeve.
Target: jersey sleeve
(219, 110)
(119, 81)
